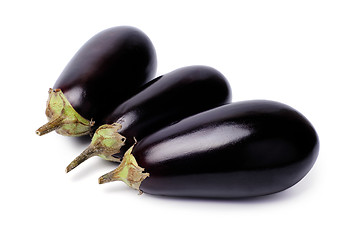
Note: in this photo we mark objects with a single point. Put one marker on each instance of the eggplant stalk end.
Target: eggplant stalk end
(105, 143)
(128, 171)
(63, 118)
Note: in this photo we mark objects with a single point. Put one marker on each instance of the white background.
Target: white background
(306, 54)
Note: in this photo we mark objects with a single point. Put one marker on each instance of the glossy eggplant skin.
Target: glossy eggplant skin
(168, 99)
(108, 69)
(243, 149)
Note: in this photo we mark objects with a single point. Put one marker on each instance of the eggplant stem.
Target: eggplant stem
(110, 177)
(86, 154)
(105, 143)
(63, 117)
(50, 126)
(128, 171)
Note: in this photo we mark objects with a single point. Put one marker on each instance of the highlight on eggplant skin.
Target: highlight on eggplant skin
(165, 100)
(169, 98)
(242, 149)
(108, 69)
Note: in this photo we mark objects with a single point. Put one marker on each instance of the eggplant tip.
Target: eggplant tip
(68, 169)
(104, 179)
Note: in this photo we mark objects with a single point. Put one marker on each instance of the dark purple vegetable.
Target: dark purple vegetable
(167, 99)
(242, 149)
(106, 71)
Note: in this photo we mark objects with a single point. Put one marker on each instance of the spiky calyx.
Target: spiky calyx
(128, 171)
(63, 118)
(105, 143)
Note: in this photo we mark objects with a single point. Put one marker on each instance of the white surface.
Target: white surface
(306, 54)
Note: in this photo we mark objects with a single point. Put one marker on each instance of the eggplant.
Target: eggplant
(242, 149)
(107, 70)
(166, 100)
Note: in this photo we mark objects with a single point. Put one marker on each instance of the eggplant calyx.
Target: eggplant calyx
(63, 118)
(106, 142)
(128, 171)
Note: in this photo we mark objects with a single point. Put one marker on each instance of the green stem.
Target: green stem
(63, 118)
(128, 171)
(105, 143)
(52, 125)
(86, 154)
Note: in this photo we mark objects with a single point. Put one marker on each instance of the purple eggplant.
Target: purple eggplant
(107, 70)
(243, 149)
(166, 100)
